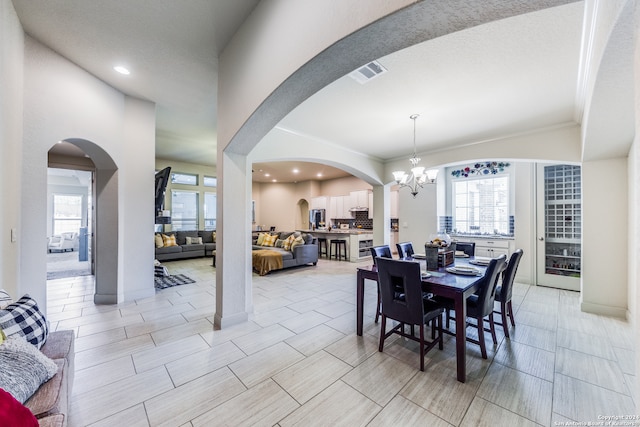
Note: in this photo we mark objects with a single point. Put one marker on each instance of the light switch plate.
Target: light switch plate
(14, 235)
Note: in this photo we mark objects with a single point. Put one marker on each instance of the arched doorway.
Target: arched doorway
(73, 152)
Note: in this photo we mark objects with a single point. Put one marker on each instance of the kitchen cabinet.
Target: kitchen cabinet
(360, 199)
(370, 204)
(338, 208)
(360, 246)
(491, 248)
(319, 202)
(394, 204)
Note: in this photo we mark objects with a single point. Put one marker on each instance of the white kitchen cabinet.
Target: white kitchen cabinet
(319, 202)
(491, 248)
(394, 204)
(336, 207)
(360, 246)
(346, 205)
(360, 199)
(370, 204)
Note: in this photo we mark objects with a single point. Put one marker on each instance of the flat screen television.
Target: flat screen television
(162, 179)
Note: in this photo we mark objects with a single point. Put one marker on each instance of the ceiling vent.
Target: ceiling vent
(367, 72)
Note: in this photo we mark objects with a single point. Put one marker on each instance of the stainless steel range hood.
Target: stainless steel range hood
(359, 209)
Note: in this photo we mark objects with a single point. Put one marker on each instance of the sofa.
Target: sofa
(36, 366)
(175, 245)
(50, 404)
(298, 254)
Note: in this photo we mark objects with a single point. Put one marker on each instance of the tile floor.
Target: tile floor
(298, 361)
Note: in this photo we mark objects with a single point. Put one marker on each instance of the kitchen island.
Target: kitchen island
(359, 241)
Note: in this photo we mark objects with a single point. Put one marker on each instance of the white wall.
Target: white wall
(11, 76)
(123, 127)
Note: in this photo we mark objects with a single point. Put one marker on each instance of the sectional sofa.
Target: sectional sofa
(181, 244)
(306, 252)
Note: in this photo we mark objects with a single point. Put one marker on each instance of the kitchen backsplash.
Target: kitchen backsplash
(361, 219)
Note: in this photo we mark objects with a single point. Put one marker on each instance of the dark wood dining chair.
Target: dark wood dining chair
(408, 307)
(385, 252)
(405, 249)
(468, 248)
(480, 304)
(505, 290)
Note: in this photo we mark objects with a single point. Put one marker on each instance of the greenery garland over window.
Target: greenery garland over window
(481, 168)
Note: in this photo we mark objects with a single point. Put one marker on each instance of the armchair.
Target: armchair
(63, 242)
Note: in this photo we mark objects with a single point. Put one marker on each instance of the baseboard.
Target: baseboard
(604, 310)
(230, 320)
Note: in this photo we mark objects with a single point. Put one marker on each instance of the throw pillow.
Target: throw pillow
(23, 369)
(25, 319)
(261, 237)
(13, 413)
(270, 240)
(5, 298)
(287, 243)
(297, 242)
(214, 236)
(279, 243)
(169, 240)
(194, 240)
(159, 241)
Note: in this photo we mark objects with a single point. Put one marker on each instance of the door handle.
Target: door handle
(541, 238)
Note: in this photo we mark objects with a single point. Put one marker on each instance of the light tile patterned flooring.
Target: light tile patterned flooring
(298, 361)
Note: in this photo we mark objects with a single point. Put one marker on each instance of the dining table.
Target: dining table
(457, 287)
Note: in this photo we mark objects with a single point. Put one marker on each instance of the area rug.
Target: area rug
(162, 282)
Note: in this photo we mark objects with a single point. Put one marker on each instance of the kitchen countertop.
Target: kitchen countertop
(338, 231)
(482, 236)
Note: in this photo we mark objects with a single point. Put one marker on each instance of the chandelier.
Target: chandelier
(418, 175)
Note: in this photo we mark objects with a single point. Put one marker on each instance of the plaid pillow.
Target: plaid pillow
(194, 240)
(169, 240)
(270, 240)
(24, 318)
(288, 241)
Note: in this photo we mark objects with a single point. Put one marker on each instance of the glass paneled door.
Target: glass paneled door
(559, 244)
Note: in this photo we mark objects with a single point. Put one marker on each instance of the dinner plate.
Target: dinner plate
(480, 261)
(419, 256)
(425, 274)
(462, 255)
(467, 271)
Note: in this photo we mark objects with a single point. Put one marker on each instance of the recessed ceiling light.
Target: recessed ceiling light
(295, 171)
(319, 175)
(122, 70)
(267, 175)
(274, 180)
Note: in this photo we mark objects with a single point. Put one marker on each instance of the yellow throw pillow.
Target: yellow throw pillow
(270, 240)
(261, 237)
(288, 241)
(213, 236)
(159, 241)
(169, 240)
(297, 242)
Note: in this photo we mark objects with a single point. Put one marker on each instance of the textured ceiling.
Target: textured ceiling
(504, 77)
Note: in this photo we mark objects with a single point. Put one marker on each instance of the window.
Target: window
(210, 181)
(481, 206)
(184, 178)
(184, 210)
(210, 211)
(67, 213)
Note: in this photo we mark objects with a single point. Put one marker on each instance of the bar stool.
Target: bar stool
(340, 248)
(322, 245)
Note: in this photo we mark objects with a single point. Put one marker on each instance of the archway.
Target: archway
(105, 218)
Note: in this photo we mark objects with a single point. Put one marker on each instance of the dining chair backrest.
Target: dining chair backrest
(383, 251)
(509, 275)
(405, 306)
(469, 248)
(487, 290)
(405, 249)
